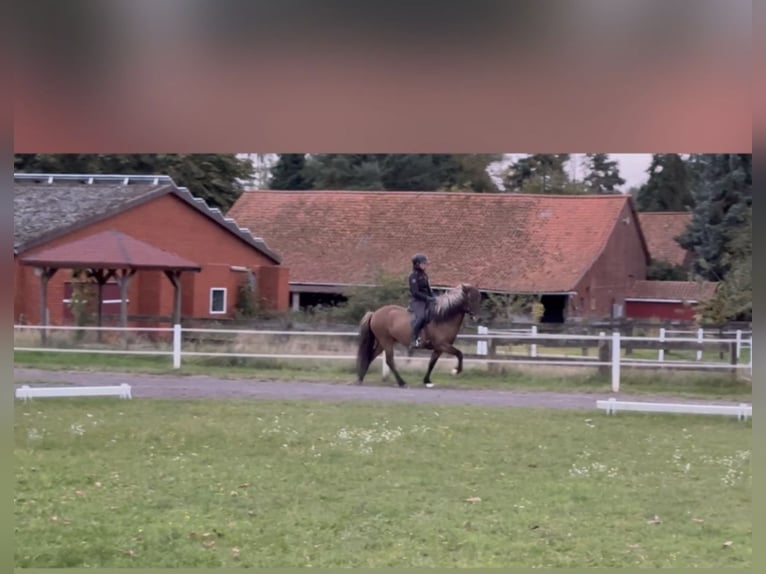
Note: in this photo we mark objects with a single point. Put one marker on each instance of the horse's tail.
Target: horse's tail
(366, 349)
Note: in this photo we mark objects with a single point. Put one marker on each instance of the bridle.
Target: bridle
(467, 309)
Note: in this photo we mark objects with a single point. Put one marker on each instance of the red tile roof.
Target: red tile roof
(672, 290)
(109, 250)
(503, 242)
(48, 206)
(660, 230)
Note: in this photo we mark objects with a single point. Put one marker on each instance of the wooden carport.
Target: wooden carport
(106, 255)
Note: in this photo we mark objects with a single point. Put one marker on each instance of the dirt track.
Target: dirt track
(203, 387)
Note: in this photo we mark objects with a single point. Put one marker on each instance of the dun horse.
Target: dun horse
(379, 330)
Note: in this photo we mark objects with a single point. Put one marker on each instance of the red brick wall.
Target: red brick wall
(656, 310)
(172, 225)
(274, 287)
(622, 260)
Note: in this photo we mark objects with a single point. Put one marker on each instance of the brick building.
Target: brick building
(581, 254)
(661, 229)
(145, 226)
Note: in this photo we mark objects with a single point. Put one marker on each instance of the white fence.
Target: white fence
(613, 341)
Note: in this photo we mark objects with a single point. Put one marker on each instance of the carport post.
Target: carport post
(45, 274)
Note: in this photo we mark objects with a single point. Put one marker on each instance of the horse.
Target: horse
(379, 330)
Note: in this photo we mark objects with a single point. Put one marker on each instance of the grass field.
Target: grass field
(711, 385)
(106, 483)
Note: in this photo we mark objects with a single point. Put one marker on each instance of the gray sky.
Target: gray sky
(633, 166)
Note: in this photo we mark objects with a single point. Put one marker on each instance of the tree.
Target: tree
(664, 271)
(419, 172)
(733, 300)
(402, 172)
(216, 178)
(472, 173)
(720, 231)
(344, 171)
(290, 172)
(668, 187)
(603, 174)
(539, 173)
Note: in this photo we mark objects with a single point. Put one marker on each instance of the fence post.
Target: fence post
(615, 361)
(533, 346)
(177, 346)
(739, 343)
(603, 352)
(700, 338)
(661, 352)
(481, 346)
(492, 354)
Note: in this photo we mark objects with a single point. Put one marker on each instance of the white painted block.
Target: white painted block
(611, 406)
(26, 392)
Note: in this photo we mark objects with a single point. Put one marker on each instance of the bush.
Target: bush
(389, 289)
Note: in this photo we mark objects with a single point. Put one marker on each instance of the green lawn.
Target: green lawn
(685, 384)
(108, 483)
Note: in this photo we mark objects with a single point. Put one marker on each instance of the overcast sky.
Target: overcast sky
(633, 166)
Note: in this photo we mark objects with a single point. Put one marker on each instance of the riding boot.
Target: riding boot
(415, 339)
(418, 322)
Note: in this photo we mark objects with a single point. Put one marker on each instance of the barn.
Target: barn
(155, 252)
(580, 254)
(661, 229)
(667, 300)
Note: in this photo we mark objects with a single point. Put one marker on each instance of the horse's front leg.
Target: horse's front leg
(459, 354)
(434, 357)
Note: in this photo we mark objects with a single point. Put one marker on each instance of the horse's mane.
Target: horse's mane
(448, 304)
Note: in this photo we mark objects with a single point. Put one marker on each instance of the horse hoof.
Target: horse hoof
(429, 385)
(455, 371)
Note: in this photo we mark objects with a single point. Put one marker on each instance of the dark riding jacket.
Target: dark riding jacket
(420, 291)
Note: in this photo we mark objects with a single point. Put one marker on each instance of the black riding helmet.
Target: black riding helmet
(419, 259)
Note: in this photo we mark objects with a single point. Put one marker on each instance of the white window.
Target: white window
(217, 300)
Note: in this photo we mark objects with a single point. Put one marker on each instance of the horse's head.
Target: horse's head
(471, 301)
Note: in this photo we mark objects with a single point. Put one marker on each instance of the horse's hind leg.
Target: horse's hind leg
(376, 351)
(390, 362)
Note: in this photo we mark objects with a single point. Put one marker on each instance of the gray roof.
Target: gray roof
(46, 206)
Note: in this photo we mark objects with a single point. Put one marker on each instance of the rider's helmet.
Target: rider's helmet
(419, 259)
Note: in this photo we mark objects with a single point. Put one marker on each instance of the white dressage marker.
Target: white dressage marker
(26, 392)
(611, 406)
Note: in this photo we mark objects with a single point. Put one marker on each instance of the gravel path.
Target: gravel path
(203, 387)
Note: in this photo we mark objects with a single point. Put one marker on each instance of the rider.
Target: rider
(421, 296)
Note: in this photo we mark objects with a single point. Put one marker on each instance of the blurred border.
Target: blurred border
(376, 76)
(383, 76)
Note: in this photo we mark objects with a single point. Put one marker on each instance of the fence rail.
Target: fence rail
(614, 350)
